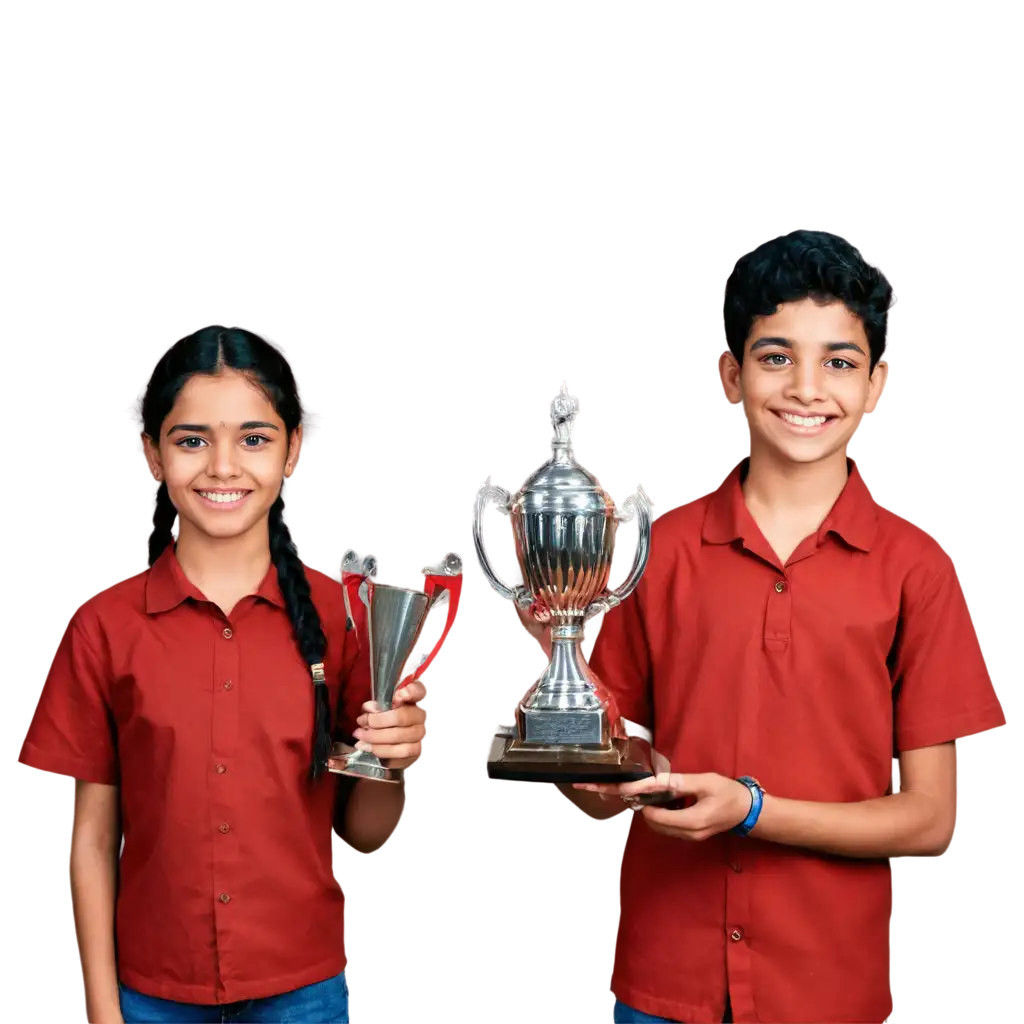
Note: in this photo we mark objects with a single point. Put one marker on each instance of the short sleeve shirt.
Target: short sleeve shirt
(808, 676)
(205, 722)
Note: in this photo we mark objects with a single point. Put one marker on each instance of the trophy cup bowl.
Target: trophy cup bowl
(394, 620)
(564, 524)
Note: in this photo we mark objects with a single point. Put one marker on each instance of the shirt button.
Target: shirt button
(221, 769)
(779, 588)
(735, 934)
(228, 684)
(228, 633)
(736, 867)
(225, 827)
(225, 898)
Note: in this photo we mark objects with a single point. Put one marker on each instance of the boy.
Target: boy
(789, 634)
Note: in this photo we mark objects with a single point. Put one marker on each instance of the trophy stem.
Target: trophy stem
(568, 681)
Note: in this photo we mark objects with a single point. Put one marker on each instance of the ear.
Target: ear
(152, 453)
(294, 447)
(729, 371)
(876, 385)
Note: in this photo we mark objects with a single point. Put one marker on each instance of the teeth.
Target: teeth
(803, 421)
(223, 498)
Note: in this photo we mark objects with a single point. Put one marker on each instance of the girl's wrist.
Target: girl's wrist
(114, 1017)
(107, 1013)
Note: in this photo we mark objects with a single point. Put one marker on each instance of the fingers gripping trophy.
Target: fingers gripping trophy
(567, 728)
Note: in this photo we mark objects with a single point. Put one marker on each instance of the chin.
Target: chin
(223, 527)
(797, 450)
(801, 453)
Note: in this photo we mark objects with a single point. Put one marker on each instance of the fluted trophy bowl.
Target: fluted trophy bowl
(392, 620)
(564, 526)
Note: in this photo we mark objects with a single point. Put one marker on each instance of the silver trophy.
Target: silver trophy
(394, 621)
(564, 524)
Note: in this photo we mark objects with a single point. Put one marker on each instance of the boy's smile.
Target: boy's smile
(804, 424)
(805, 381)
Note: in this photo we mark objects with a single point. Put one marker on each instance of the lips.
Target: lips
(804, 424)
(224, 500)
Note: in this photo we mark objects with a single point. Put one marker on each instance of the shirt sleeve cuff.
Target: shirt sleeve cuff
(953, 727)
(66, 764)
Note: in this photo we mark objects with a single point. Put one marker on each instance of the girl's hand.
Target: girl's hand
(395, 736)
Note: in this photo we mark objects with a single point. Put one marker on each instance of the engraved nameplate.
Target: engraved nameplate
(555, 728)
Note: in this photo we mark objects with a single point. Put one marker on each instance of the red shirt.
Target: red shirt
(205, 722)
(810, 677)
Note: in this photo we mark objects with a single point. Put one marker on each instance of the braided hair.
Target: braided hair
(208, 352)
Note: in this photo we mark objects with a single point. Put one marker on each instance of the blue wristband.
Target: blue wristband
(756, 802)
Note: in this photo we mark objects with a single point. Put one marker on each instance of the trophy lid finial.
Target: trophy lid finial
(564, 408)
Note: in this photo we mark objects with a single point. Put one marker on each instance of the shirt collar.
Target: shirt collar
(853, 517)
(167, 586)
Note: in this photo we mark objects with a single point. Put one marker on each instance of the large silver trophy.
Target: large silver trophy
(391, 625)
(567, 728)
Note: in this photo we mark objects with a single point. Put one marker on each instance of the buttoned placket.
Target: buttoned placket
(778, 618)
(224, 732)
(739, 853)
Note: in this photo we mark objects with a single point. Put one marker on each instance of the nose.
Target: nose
(806, 383)
(224, 464)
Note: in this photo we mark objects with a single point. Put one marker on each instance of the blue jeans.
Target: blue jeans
(623, 1014)
(325, 1002)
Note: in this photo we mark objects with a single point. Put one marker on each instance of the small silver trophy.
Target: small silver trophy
(393, 623)
(564, 524)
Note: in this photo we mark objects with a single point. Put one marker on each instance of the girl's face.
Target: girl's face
(223, 452)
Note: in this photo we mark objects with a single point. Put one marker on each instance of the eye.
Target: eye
(775, 359)
(191, 442)
(840, 364)
(255, 441)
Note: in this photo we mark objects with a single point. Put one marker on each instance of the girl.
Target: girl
(189, 704)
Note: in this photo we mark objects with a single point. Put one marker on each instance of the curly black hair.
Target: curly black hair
(800, 265)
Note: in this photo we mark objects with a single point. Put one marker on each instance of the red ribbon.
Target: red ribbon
(453, 584)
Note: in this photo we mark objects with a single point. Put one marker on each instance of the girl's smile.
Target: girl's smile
(224, 501)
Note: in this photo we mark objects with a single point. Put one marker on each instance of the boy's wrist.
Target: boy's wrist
(756, 803)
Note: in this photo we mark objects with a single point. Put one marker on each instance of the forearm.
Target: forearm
(370, 814)
(905, 824)
(93, 896)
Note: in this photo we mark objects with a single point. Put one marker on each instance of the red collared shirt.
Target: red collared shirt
(808, 676)
(205, 722)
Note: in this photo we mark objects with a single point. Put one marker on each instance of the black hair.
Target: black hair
(801, 265)
(209, 352)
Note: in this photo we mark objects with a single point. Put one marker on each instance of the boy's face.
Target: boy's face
(804, 382)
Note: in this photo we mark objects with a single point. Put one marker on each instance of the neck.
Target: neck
(776, 484)
(224, 563)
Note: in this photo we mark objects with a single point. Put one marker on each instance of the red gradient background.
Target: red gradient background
(160, 167)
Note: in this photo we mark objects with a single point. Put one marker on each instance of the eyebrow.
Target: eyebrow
(204, 428)
(832, 346)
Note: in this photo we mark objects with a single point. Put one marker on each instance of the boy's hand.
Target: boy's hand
(718, 803)
(537, 621)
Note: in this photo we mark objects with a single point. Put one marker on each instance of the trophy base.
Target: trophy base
(359, 764)
(625, 762)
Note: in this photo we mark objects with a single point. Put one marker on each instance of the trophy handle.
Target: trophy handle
(638, 505)
(355, 573)
(499, 496)
(451, 583)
